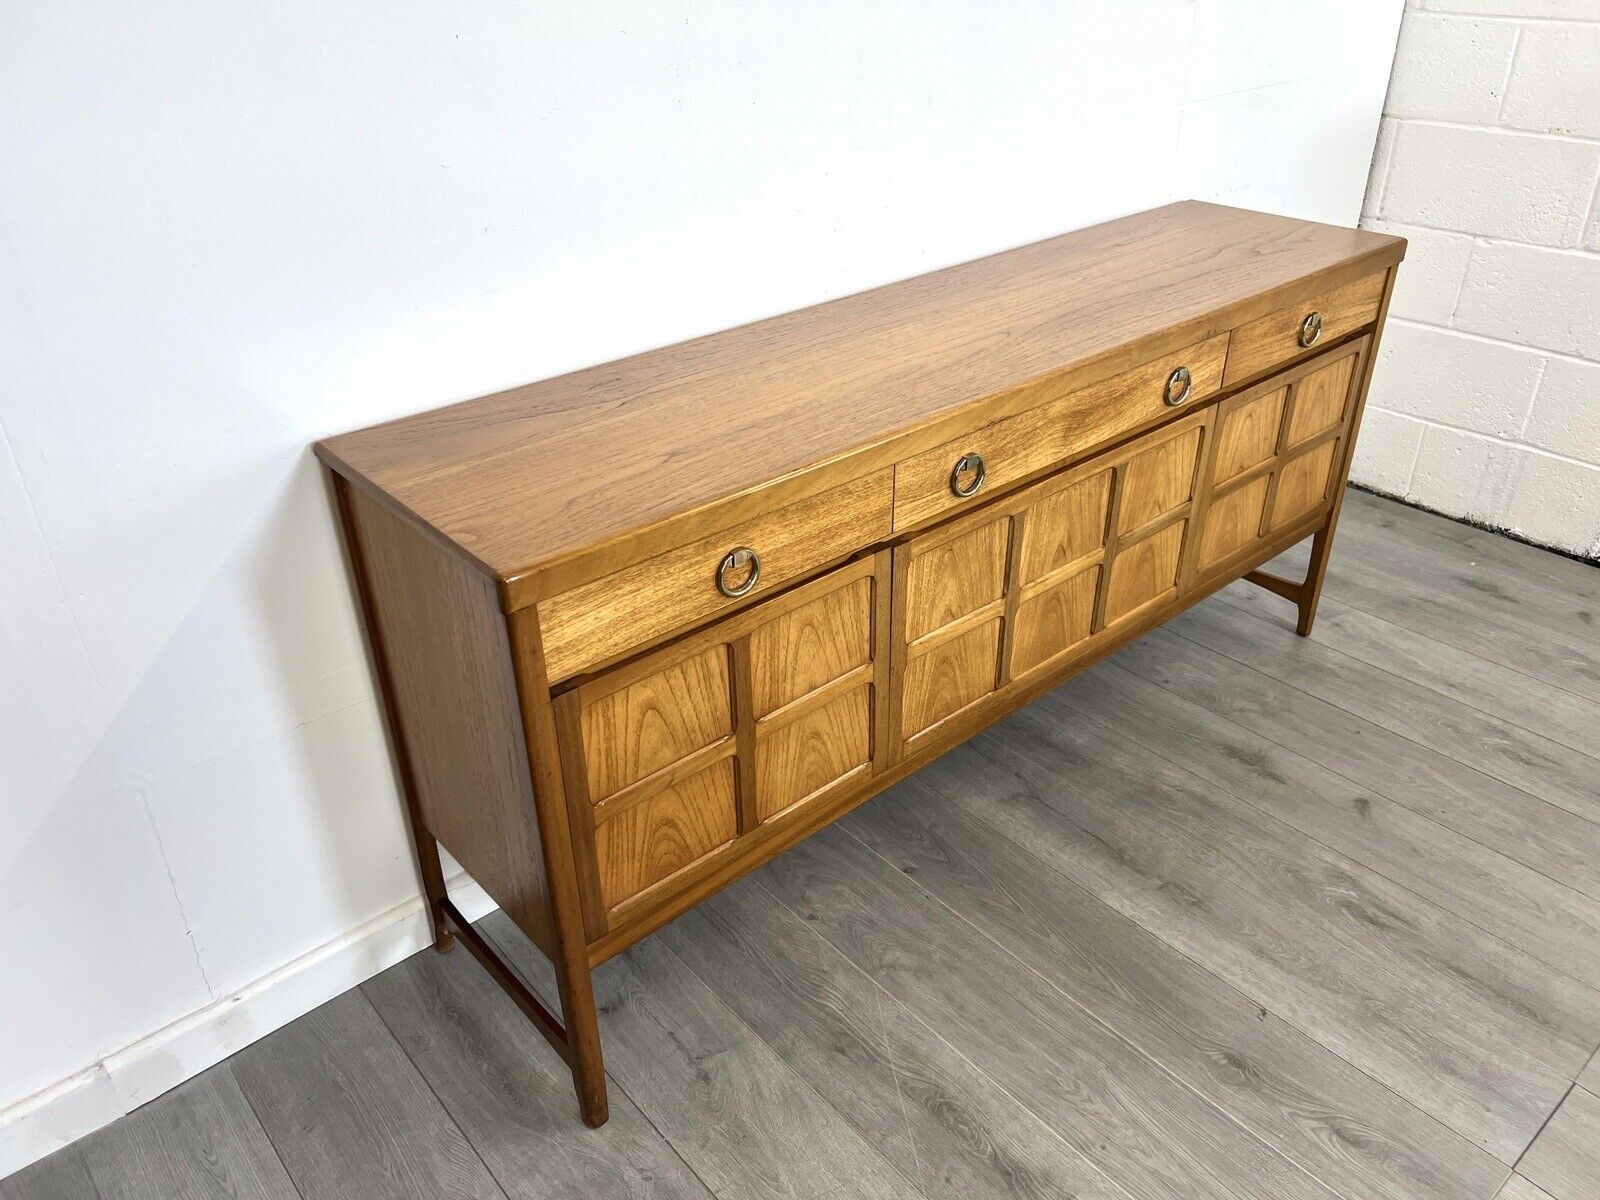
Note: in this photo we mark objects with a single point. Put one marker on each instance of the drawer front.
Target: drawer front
(603, 619)
(671, 759)
(1281, 337)
(1038, 578)
(927, 484)
(1279, 448)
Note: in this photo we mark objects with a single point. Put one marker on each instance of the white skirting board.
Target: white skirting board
(136, 1074)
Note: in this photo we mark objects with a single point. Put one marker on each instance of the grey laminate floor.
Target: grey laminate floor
(1233, 916)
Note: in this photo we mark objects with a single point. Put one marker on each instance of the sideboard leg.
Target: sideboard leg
(583, 1045)
(574, 980)
(1311, 591)
(434, 893)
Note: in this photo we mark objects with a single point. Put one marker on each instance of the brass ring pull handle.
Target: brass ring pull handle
(967, 476)
(1310, 329)
(738, 571)
(1179, 384)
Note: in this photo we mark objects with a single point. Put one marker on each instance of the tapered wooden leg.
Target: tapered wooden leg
(1311, 591)
(583, 1045)
(571, 958)
(431, 870)
(1306, 594)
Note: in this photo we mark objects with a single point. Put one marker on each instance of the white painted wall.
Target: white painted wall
(230, 229)
(1486, 399)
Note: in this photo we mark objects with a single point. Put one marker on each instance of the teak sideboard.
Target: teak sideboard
(639, 628)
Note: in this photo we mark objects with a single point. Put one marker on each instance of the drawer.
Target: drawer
(673, 758)
(930, 483)
(606, 618)
(1282, 336)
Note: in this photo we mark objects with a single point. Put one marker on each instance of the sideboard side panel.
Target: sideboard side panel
(448, 654)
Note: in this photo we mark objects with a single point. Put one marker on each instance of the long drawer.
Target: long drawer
(966, 470)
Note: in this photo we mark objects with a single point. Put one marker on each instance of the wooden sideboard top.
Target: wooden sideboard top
(546, 484)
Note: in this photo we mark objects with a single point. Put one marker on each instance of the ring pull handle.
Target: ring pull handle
(967, 476)
(1179, 384)
(1310, 329)
(738, 571)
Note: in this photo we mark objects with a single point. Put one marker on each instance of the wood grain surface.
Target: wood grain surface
(351, 1117)
(1563, 1159)
(609, 461)
(1248, 432)
(1272, 340)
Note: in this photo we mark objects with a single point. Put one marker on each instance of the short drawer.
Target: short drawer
(598, 621)
(959, 471)
(1282, 336)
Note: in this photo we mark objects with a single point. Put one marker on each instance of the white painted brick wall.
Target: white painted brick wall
(1486, 398)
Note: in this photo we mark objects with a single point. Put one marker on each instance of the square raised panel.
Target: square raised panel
(1303, 484)
(949, 579)
(1157, 481)
(653, 722)
(1248, 435)
(656, 837)
(1064, 526)
(1143, 571)
(813, 752)
(1053, 621)
(946, 677)
(811, 645)
(1232, 521)
(1319, 400)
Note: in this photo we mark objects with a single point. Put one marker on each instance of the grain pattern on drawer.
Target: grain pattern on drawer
(1042, 437)
(675, 827)
(608, 617)
(1280, 337)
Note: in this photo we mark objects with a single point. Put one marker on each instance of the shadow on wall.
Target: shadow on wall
(236, 810)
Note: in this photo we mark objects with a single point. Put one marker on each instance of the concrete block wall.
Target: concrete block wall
(1486, 400)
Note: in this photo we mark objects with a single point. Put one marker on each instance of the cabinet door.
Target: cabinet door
(671, 759)
(1037, 579)
(1278, 450)
(951, 588)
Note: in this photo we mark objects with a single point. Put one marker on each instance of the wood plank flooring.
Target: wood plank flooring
(1234, 915)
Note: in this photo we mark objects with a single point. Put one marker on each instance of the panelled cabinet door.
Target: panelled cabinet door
(1032, 580)
(670, 759)
(1279, 446)
(952, 585)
